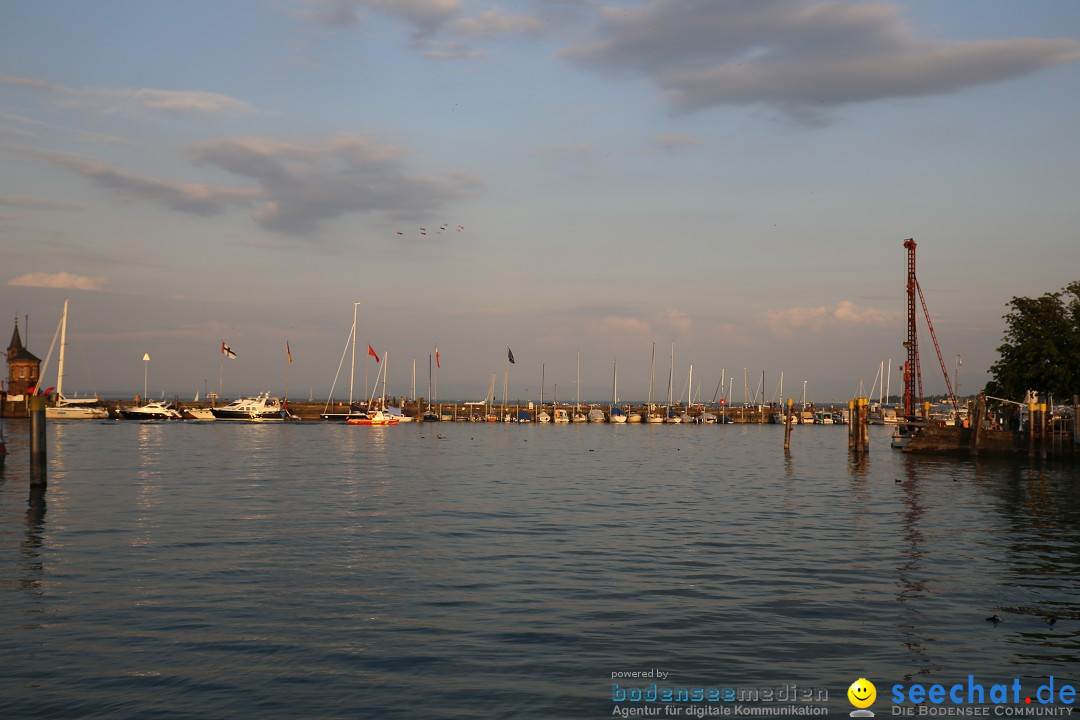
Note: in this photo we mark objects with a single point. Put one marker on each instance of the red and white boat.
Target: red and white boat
(374, 417)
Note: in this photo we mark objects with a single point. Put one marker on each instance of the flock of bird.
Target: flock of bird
(440, 231)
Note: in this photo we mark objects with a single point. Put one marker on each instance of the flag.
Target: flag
(288, 353)
(510, 355)
(371, 352)
(226, 350)
(437, 357)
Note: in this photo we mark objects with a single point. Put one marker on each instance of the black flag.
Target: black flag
(510, 355)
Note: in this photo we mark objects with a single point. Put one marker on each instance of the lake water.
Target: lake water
(308, 570)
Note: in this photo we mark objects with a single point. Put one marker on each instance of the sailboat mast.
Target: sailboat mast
(671, 368)
(652, 375)
(63, 344)
(352, 364)
(414, 379)
(690, 388)
(386, 366)
(888, 382)
(615, 384)
(543, 366)
(577, 398)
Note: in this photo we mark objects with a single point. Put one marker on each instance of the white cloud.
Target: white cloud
(842, 316)
(140, 101)
(63, 280)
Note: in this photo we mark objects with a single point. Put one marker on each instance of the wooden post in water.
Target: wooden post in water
(864, 424)
(38, 453)
(976, 429)
(853, 421)
(787, 424)
(1042, 430)
(1031, 428)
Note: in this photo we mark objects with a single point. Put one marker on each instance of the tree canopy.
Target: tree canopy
(1040, 349)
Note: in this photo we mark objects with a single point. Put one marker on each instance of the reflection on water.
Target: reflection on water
(464, 571)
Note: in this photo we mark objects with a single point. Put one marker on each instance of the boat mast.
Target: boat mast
(63, 344)
(352, 364)
(577, 398)
(543, 366)
(615, 385)
(690, 388)
(414, 379)
(671, 367)
(652, 375)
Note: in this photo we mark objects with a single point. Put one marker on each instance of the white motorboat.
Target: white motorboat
(257, 409)
(195, 413)
(155, 410)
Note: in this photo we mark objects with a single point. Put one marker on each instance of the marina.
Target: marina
(227, 570)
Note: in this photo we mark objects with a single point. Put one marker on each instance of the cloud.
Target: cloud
(37, 203)
(678, 321)
(304, 185)
(424, 15)
(440, 29)
(798, 56)
(673, 143)
(844, 315)
(183, 197)
(492, 22)
(63, 280)
(141, 101)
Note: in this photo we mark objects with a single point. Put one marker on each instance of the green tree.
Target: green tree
(1040, 349)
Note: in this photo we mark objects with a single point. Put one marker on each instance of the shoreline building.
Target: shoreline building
(23, 366)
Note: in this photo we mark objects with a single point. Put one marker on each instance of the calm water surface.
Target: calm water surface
(215, 570)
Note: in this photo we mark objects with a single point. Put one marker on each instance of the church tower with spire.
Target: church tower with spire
(23, 366)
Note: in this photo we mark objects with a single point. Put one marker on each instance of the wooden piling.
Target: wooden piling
(976, 429)
(38, 453)
(787, 424)
(1031, 429)
(1042, 430)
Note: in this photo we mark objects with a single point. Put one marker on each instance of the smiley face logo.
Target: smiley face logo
(862, 693)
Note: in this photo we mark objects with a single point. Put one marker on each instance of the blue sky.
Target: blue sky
(735, 177)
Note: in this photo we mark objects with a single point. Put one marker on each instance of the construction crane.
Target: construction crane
(913, 392)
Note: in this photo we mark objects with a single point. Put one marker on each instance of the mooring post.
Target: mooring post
(864, 425)
(976, 429)
(1031, 428)
(787, 424)
(853, 415)
(38, 457)
(1042, 430)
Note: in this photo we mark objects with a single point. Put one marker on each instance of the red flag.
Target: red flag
(371, 352)
(288, 352)
(437, 357)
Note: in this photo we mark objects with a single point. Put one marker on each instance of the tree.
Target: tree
(1040, 349)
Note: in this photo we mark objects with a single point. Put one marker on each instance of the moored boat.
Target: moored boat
(257, 409)
(154, 410)
(375, 418)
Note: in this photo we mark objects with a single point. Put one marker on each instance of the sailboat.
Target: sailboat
(578, 417)
(615, 414)
(652, 415)
(671, 416)
(70, 408)
(354, 410)
(377, 416)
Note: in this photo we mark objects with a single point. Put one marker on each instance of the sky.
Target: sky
(728, 181)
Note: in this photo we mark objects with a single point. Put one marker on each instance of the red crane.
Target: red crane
(913, 393)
